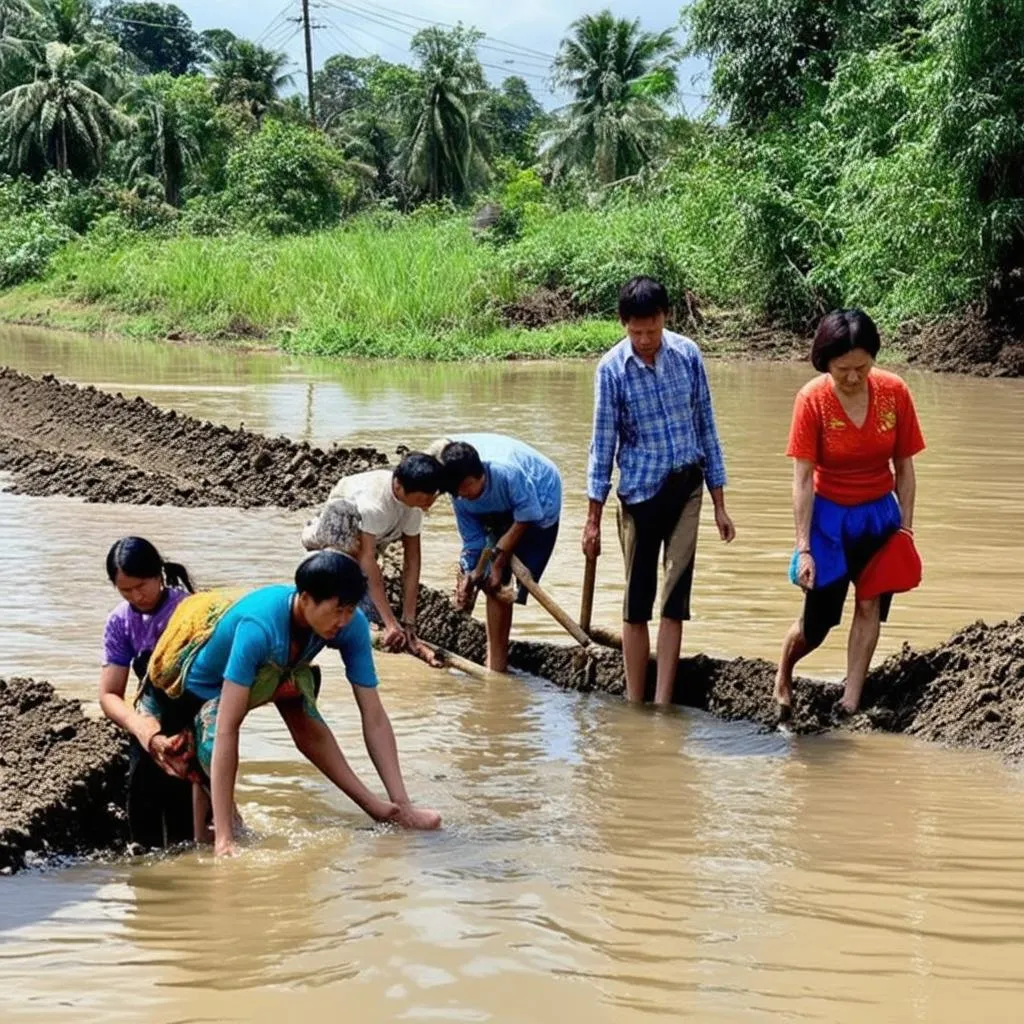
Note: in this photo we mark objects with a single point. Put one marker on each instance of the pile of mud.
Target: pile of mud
(58, 438)
(62, 776)
(967, 692)
(970, 343)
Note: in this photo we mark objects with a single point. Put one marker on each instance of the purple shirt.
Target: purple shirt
(130, 632)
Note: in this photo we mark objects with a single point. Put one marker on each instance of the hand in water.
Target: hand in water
(410, 816)
(225, 848)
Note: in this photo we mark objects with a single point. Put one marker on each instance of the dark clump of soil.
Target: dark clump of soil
(58, 438)
(967, 692)
(541, 307)
(971, 343)
(62, 776)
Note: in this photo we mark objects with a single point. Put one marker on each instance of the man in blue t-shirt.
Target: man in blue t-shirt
(260, 652)
(507, 497)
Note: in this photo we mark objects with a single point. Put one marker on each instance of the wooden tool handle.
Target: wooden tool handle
(450, 659)
(559, 614)
(587, 601)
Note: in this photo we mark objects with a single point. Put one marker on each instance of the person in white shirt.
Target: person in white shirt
(366, 513)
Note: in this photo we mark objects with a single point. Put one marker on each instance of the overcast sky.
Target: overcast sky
(533, 25)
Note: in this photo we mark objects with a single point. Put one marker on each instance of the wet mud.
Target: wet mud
(62, 774)
(58, 438)
(62, 777)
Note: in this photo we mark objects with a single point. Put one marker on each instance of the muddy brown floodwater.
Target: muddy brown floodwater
(598, 863)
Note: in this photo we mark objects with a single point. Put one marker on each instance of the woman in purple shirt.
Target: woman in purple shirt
(160, 802)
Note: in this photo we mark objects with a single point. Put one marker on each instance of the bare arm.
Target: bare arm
(906, 489)
(411, 558)
(383, 751)
(234, 703)
(318, 745)
(374, 579)
(803, 507)
(113, 684)
(508, 543)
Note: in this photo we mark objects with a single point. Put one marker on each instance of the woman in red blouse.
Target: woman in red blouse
(853, 440)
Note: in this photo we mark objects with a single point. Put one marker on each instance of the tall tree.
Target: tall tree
(446, 151)
(620, 77)
(172, 118)
(250, 76)
(767, 56)
(513, 114)
(59, 116)
(159, 37)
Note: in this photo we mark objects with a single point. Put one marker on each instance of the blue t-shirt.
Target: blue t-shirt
(256, 630)
(520, 482)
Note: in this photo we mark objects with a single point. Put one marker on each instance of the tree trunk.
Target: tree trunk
(62, 148)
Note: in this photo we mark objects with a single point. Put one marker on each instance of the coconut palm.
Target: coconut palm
(165, 141)
(620, 76)
(58, 115)
(446, 152)
(250, 76)
(18, 20)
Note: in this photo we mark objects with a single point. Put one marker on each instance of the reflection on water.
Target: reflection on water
(598, 863)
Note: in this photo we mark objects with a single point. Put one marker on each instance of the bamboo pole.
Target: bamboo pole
(587, 600)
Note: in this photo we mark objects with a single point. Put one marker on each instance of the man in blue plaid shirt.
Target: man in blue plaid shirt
(652, 406)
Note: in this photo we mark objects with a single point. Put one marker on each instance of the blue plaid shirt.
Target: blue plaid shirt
(659, 418)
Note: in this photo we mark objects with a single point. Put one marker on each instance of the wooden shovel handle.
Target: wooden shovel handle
(555, 610)
(587, 601)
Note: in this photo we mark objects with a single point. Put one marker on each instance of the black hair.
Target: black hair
(460, 460)
(420, 473)
(327, 574)
(840, 332)
(136, 556)
(642, 297)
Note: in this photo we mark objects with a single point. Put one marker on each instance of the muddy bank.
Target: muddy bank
(62, 777)
(970, 343)
(58, 438)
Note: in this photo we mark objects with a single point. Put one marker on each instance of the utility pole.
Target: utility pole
(307, 32)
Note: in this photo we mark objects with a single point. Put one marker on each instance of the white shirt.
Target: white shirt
(382, 513)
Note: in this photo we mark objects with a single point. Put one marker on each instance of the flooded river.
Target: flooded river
(598, 863)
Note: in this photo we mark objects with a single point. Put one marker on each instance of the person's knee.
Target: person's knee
(869, 610)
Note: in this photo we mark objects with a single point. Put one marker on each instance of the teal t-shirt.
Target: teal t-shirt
(255, 631)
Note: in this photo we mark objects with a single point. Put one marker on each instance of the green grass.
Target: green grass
(425, 291)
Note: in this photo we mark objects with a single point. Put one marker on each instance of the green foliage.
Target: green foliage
(286, 178)
(447, 149)
(58, 116)
(513, 117)
(249, 76)
(158, 37)
(619, 76)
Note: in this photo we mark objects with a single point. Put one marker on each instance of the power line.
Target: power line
(441, 24)
(406, 31)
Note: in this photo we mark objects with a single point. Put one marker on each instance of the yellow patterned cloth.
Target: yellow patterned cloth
(190, 626)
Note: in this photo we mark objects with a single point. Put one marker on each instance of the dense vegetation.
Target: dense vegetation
(852, 151)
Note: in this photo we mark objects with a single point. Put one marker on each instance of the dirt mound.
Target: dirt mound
(970, 343)
(62, 776)
(58, 438)
(542, 307)
(967, 692)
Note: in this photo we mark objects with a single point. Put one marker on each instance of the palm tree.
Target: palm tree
(250, 76)
(165, 141)
(446, 152)
(59, 115)
(17, 20)
(619, 76)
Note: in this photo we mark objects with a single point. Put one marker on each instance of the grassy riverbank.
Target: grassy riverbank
(418, 291)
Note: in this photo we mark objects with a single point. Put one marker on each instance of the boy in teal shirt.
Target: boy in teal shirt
(259, 652)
